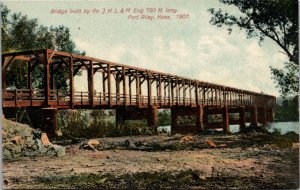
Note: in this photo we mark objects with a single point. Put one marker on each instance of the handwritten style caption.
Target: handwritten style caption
(130, 13)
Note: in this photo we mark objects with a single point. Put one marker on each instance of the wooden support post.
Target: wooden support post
(3, 73)
(104, 85)
(271, 119)
(160, 90)
(71, 77)
(199, 118)
(124, 86)
(129, 89)
(117, 88)
(52, 81)
(197, 95)
(170, 92)
(149, 87)
(264, 115)
(254, 122)
(109, 85)
(152, 118)
(49, 123)
(190, 92)
(91, 83)
(173, 119)
(47, 79)
(29, 74)
(120, 116)
(177, 91)
(225, 119)
(137, 88)
(242, 118)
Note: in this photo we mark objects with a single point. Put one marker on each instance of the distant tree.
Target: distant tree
(288, 111)
(274, 19)
(20, 33)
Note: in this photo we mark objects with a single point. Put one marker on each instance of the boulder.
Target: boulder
(211, 144)
(60, 150)
(16, 140)
(187, 138)
(45, 140)
(129, 144)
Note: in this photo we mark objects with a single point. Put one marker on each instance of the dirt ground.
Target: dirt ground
(242, 162)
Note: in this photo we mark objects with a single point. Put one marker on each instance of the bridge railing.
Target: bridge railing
(84, 98)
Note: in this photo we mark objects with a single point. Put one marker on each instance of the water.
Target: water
(283, 127)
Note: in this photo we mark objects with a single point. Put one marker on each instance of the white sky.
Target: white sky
(192, 48)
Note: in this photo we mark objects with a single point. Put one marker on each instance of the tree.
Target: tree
(274, 19)
(20, 33)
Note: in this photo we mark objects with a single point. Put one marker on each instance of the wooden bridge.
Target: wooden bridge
(134, 92)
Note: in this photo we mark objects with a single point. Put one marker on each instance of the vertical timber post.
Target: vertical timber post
(254, 122)
(199, 118)
(109, 85)
(137, 88)
(173, 120)
(149, 86)
(71, 75)
(91, 83)
(152, 118)
(242, 118)
(225, 119)
(124, 86)
(49, 123)
(47, 79)
(264, 115)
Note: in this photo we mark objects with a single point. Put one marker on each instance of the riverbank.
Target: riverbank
(244, 161)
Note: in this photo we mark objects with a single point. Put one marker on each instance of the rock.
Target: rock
(4, 134)
(129, 144)
(296, 145)
(202, 177)
(93, 142)
(211, 144)
(188, 138)
(6, 153)
(6, 181)
(16, 140)
(60, 150)
(45, 140)
(222, 145)
(9, 146)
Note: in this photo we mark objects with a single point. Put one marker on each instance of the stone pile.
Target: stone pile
(22, 140)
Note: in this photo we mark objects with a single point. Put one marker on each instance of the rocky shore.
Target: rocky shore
(255, 160)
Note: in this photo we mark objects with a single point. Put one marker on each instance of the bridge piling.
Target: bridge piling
(254, 121)
(242, 118)
(152, 120)
(225, 119)
(49, 121)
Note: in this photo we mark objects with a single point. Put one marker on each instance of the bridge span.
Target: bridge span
(135, 93)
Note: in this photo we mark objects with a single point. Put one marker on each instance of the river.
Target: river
(283, 127)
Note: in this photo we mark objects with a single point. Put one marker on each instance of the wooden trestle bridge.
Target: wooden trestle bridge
(134, 92)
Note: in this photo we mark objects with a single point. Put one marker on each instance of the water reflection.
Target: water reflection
(283, 127)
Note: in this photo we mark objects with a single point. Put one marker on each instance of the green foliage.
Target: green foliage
(97, 123)
(20, 33)
(287, 79)
(164, 118)
(288, 111)
(275, 19)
